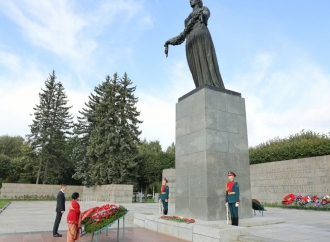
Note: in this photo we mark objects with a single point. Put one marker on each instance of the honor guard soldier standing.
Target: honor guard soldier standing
(232, 197)
(164, 195)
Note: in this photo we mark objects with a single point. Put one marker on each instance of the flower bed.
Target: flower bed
(304, 200)
(96, 218)
(178, 219)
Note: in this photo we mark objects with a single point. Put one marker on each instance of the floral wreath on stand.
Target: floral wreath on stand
(304, 200)
(256, 205)
(288, 199)
(298, 198)
(314, 197)
(325, 200)
(317, 202)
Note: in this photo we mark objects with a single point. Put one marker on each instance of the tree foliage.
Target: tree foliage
(109, 134)
(50, 130)
(301, 145)
(152, 161)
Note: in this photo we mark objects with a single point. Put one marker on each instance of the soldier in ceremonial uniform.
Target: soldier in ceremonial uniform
(232, 197)
(164, 195)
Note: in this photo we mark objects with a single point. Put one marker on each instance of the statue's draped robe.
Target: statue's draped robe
(200, 52)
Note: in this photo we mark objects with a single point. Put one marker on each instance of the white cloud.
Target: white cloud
(158, 107)
(10, 61)
(285, 101)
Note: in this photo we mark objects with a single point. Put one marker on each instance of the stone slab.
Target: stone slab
(211, 139)
(202, 230)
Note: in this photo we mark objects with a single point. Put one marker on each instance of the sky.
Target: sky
(275, 53)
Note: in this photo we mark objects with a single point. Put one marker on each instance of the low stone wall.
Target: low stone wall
(170, 176)
(108, 193)
(270, 182)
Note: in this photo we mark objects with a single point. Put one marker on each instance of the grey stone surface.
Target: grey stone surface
(300, 225)
(213, 142)
(274, 180)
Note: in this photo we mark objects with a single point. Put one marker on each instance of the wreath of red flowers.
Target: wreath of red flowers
(305, 200)
(314, 197)
(325, 200)
(288, 199)
(178, 219)
(97, 214)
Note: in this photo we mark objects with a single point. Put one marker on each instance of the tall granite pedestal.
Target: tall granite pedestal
(211, 139)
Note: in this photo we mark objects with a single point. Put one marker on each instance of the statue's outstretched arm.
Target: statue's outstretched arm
(178, 40)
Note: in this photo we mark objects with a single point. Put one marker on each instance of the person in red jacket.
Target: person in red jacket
(74, 219)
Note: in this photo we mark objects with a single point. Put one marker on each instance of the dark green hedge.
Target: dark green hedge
(301, 145)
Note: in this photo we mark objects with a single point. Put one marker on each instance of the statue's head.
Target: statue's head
(198, 2)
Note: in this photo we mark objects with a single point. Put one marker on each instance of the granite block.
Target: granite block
(182, 126)
(233, 104)
(231, 122)
(197, 120)
(199, 187)
(182, 185)
(216, 140)
(197, 141)
(215, 100)
(211, 121)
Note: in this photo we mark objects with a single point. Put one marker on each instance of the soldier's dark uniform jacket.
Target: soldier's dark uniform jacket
(232, 192)
(164, 193)
(232, 198)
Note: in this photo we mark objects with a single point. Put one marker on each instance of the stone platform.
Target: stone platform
(206, 231)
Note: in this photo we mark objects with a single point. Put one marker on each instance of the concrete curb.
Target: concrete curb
(206, 231)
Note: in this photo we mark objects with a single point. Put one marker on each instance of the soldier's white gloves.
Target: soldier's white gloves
(226, 205)
(237, 204)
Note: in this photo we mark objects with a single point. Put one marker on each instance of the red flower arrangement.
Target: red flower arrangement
(304, 200)
(314, 198)
(98, 218)
(325, 200)
(97, 214)
(178, 219)
(288, 199)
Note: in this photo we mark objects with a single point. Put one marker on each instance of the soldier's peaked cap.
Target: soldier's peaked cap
(231, 173)
(165, 179)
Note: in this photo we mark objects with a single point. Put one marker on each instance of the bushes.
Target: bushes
(301, 145)
(0, 185)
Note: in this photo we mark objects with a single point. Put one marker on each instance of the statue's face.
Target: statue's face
(193, 2)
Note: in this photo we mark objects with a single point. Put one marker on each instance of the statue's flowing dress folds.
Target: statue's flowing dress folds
(201, 56)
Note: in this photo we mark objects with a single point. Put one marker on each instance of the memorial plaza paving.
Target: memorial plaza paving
(33, 221)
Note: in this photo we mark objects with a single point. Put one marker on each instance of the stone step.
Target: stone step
(253, 238)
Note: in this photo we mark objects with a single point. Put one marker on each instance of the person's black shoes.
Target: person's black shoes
(57, 235)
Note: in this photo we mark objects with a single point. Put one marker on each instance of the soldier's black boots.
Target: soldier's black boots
(165, 212)
(234, 221)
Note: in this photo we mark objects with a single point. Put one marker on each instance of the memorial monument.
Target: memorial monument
(211, 131)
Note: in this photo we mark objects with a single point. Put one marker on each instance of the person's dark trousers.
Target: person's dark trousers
(165, 206)
(57, 223)
(234, 213)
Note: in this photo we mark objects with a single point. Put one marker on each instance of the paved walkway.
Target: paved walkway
(33, 222)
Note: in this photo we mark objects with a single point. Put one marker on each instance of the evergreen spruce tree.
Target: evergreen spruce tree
(50, 130)
(109, 129)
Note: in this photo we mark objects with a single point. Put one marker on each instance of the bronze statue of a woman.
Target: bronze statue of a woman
(200, 52)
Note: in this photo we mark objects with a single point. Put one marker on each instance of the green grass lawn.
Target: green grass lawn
(3, 202)
(295, 206)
